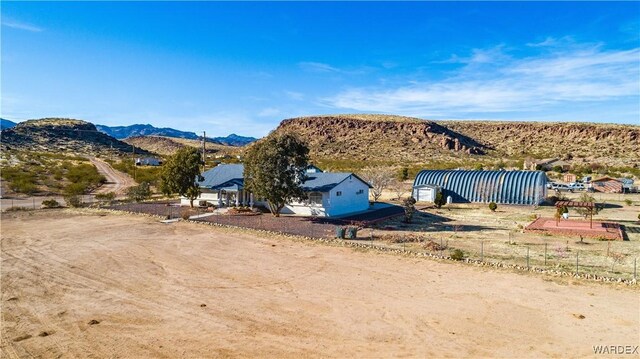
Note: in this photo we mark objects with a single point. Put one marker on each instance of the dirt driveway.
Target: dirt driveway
(85, 285)
(117, 181)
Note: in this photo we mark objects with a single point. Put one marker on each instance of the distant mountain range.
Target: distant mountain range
(122, 132)
(6, 124)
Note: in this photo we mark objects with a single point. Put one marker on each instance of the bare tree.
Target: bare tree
(399, 188)
(380, 178)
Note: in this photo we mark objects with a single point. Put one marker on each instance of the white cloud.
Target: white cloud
(317, 67)
(326, 68)
(14, 24)
(493, 82)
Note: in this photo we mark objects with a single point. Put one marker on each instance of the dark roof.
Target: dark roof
(223, 176)
(230, 176)
(325, 181)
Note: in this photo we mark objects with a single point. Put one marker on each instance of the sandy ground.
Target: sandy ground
(117, 181)
(186, 290)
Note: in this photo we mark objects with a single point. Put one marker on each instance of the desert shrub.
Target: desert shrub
(108, 197)
(85, 173)
(628, 202)
(185, 214)
(557, 169)
(603, 239)
(139, 193)
(493, 206)
(439, 201)
(409, 209)
(151, 175)
(457, 254)
(238, 210)
(23, 186)
(73, 200)
(50, 203)
(433, 246)
(75, 189)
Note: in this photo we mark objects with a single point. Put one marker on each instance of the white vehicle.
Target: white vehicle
(575, 186)
(561, 187)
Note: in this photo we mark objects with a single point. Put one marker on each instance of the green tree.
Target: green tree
(180, 172)
(403, 174)
(409, 209)
(274, 169)
(439, 201)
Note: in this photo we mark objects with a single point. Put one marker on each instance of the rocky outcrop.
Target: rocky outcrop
(63, 135)
(380, 138)
(609, 144)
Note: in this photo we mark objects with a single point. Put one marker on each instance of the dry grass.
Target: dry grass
(499, 236)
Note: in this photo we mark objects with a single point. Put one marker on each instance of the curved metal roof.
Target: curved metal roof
(507, 187)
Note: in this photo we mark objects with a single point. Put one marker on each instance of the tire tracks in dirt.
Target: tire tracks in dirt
(117, 181)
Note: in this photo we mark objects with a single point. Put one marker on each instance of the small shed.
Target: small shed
(569, 178)
(425, 192)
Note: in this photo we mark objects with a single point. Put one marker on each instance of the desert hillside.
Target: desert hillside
(63, 135)
(169, 145)
(607, 144)
(379, 138)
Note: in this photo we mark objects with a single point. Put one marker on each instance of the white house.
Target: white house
(329, 194)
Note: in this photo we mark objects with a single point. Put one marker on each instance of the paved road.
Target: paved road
(117, 181)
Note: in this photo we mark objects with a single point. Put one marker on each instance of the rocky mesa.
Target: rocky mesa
(379, 137)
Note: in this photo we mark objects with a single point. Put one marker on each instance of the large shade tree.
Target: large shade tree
(274, 169)
(180, 173)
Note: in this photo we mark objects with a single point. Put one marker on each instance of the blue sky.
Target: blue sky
(242, 67)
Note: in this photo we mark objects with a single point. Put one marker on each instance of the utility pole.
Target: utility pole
(204, 150)
(133, 157)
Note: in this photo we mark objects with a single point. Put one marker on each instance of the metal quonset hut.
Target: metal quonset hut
(506, 187)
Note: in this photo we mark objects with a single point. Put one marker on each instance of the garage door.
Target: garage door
(425, 194)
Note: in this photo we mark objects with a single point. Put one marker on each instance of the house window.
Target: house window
(315, 198)
(339, 193)
(360, 191)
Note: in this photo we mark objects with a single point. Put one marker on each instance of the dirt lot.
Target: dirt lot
(88, 285)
